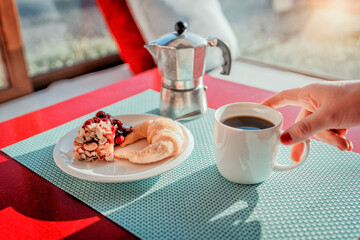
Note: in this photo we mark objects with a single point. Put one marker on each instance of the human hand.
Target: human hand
(328, 110)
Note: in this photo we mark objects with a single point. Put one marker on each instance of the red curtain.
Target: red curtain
(126, 34)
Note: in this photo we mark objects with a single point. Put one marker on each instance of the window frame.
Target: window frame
(12, 48)
(43, 80)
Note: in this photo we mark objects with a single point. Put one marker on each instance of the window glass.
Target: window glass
(62, 33)
(314, 36)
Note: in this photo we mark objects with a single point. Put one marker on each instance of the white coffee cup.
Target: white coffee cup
(249, 156)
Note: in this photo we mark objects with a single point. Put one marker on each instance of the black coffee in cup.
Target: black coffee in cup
(248, 123)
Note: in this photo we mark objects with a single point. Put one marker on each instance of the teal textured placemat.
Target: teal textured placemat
(318, 200)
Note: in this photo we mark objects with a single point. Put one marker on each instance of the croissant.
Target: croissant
(165, 138)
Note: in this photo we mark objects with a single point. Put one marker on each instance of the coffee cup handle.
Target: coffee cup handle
(281, 167)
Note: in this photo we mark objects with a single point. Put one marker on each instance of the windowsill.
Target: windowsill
(265, 78)
(243, 73)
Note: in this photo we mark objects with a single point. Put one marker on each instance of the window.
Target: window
(320, 37)
(61, 34)
(42, 41)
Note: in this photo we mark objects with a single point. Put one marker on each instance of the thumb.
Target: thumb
(303, 129)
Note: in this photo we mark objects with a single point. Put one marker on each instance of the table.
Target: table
(33, 207)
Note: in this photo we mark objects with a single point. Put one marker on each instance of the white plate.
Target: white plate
(118, 170)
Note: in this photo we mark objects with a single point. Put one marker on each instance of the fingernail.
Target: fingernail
(285, 138)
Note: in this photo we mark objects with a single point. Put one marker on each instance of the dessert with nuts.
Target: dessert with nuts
(98, 136)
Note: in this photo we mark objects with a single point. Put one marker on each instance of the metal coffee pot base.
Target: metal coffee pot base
(180, 58)
(175, 103)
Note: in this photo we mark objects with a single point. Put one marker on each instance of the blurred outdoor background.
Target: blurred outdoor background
(311, 36)
(61, 33)
(315, 36)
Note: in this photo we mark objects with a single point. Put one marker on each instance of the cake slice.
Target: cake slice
(95, 141)
(97, 137)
